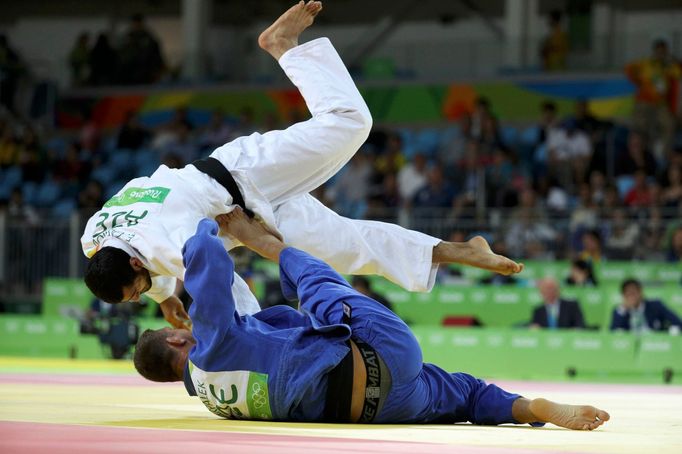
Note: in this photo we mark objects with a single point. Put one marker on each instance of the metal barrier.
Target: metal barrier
(30, 252)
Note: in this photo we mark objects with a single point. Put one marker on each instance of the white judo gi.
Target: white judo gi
(151, 218)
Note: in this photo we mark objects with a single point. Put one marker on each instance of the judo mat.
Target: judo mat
(80, 406)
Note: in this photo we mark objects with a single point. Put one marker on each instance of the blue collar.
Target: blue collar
(187, 379)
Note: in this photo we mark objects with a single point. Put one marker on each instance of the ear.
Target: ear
(176, 341)
(136, 264)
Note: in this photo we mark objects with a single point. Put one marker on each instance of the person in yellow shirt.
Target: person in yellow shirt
(555, 46)
(657, 81)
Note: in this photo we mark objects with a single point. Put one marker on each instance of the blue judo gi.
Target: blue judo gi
(274, 364)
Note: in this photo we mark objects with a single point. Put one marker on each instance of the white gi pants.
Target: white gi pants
(277, 170)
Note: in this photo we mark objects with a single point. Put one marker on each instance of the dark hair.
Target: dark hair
(660, 43)
(549, 105)
(555, 15)
(628, 282)
(107, 272)
(361, 281)
(153, 357)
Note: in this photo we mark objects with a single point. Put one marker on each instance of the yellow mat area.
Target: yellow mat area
(644, 419)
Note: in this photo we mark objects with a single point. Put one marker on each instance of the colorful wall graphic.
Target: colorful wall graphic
(405, 103)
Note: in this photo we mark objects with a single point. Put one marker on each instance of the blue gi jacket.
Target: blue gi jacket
(271, 365)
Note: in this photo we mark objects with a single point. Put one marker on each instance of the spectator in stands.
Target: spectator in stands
(140, 58)
(352, 187)
(90, 199)
(32, 158)
(556, 312)
(529, 234)
(622, 237)
(391, 159)
(585, 215)
(79, 60)
(11, 70)
(581, 274)
(638, 315)
(437, 193)
(591, 247)
(9, 148)
(548, 121)
(641, 194)
(657, 80)
(90, 135)
(675, 250)
(217, 133)
(412, 177)
(19, 211)
(362, 285)
(636, 157)
(103, 62)
(555, 46)
(71, 170)
(597, 186)
(584, 120)
(172, 161)
(132, 135)
(671, 197)
(568, 153)
(473, 124)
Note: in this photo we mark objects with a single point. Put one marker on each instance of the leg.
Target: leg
(406, 257)
(283, 164)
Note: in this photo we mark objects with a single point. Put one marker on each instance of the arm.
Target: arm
(208, 278)
(670, 316)
(174, 313)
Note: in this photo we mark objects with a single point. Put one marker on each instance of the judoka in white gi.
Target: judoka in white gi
(134, 242)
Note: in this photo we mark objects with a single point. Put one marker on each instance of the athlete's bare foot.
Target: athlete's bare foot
(576, 417)
(475, 252)
(283, 34)
(252, 233)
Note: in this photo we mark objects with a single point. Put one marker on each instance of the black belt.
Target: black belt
(214, 169)
(340, 383)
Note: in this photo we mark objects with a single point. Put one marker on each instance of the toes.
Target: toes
(602, 415)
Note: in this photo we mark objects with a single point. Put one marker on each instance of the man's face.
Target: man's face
(632, 295)
(141, 284)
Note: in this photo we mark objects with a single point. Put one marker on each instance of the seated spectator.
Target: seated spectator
(437, 193)
(90, 199)
(412, 177)
(671, 196)
(217, 133)
(568, 154)
(555, 311)
(19, 211)
(638, 315)
(581, 274)
(71, 169)
(472, 124)
(585, 214)
(132, 135)
(391, 159)
(9, 148)
(641, 193)
(352, 187)
(584, 120)
(591, 247)
(636, 157)
(529, 233)
(362, 285)
(675, 250)
(622, 236)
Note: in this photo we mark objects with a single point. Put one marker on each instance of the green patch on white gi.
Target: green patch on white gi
(136, 195)
(237, 394)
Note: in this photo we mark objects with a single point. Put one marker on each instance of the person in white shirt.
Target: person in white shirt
(135, 241)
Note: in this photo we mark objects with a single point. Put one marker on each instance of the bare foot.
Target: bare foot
(283, 34)
(475, 252)
(252, 233)
(576, 417)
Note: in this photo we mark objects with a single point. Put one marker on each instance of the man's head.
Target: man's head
(361, 284)
(114, 276)
(632, 293)
(549, 289)
(161, 355)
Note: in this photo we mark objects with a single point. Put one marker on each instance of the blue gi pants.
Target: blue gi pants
(420, 393)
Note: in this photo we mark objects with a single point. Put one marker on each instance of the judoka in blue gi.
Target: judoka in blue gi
(342, 358)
